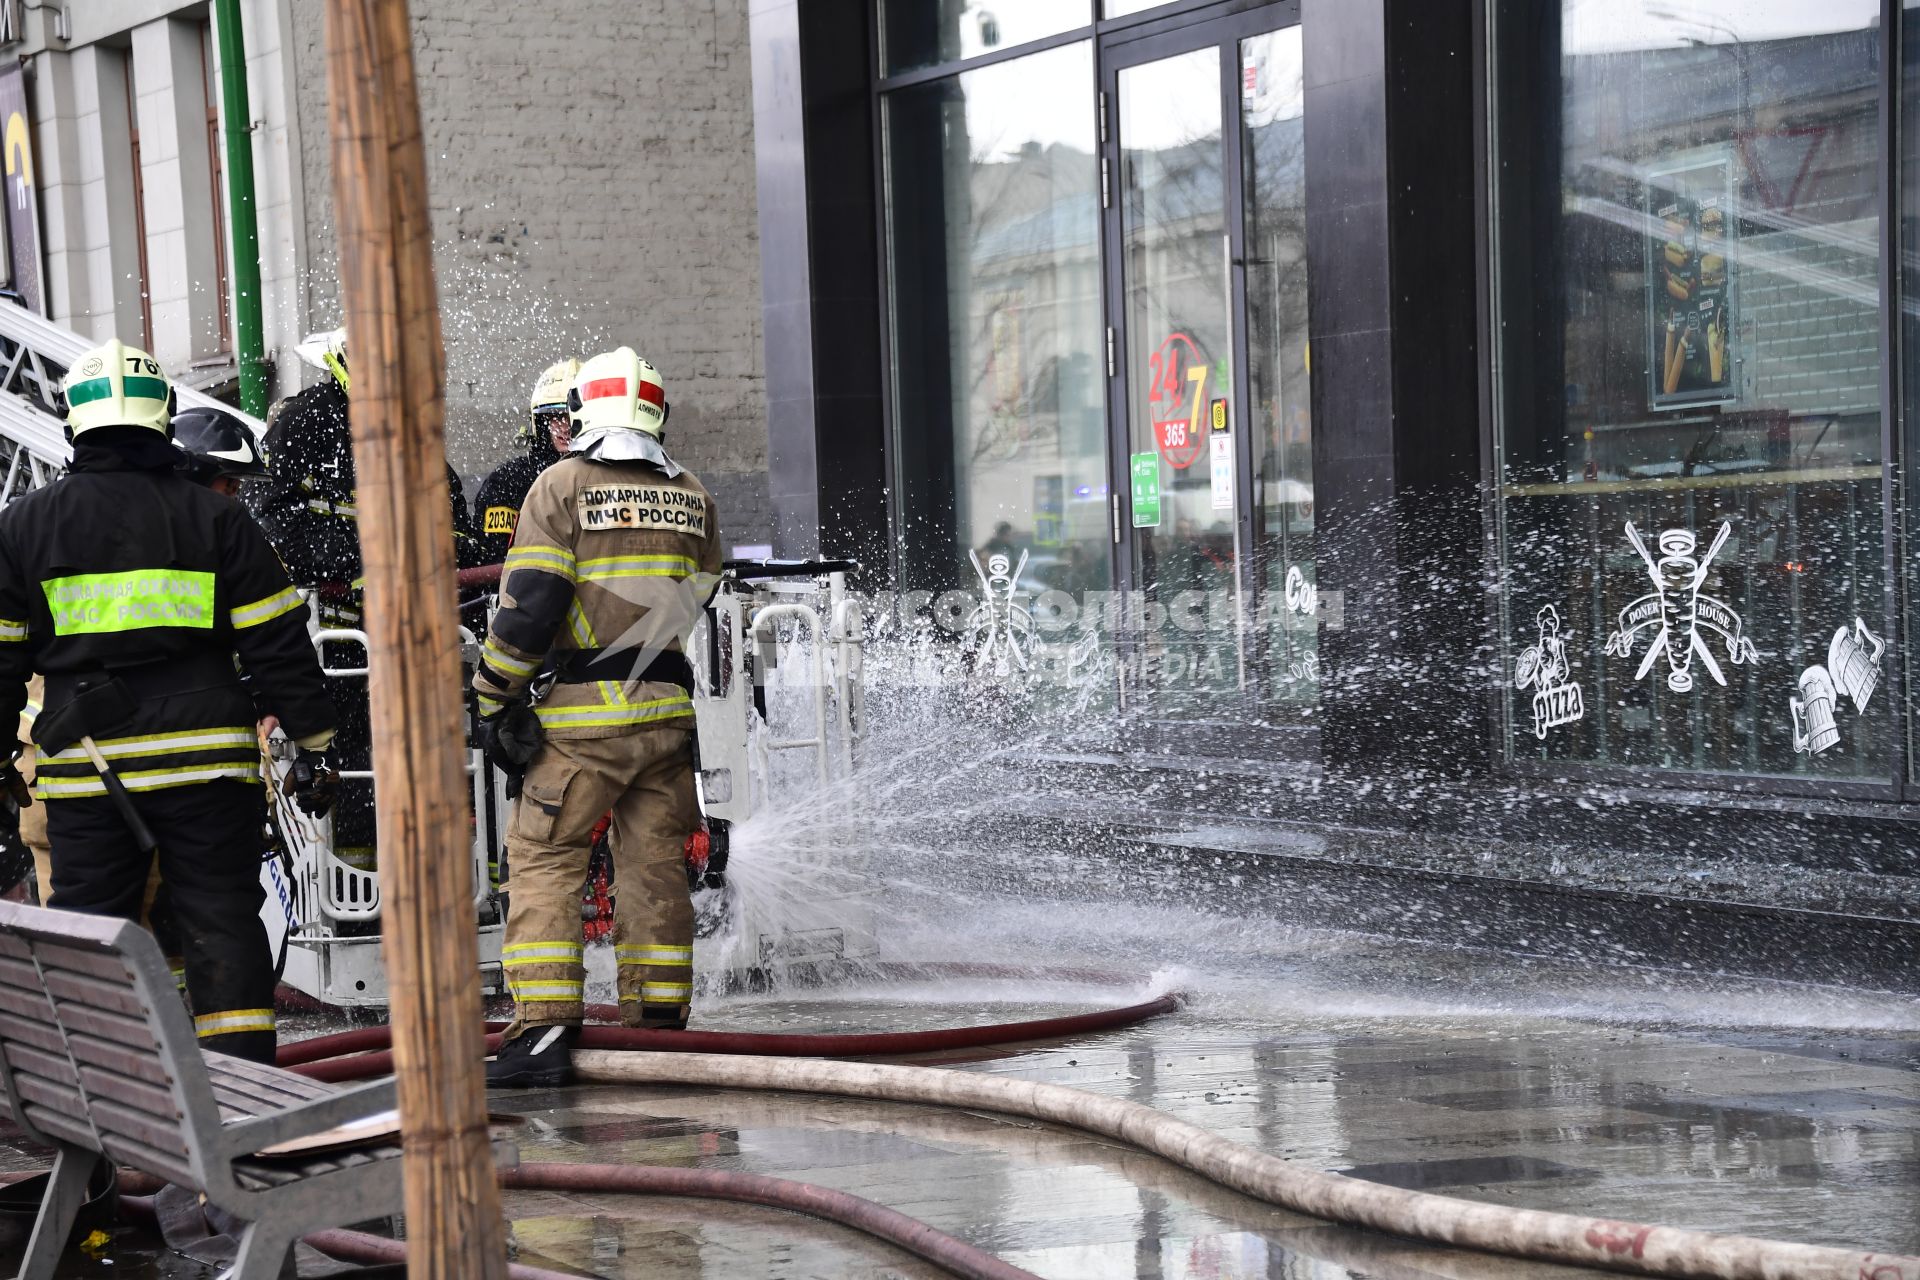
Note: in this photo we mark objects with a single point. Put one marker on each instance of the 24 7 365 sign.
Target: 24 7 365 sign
(1177, 400)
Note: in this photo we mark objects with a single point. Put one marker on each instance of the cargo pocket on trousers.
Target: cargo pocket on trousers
(537, 813)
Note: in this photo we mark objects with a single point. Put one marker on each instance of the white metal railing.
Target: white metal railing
(347, 893)
(765, 638)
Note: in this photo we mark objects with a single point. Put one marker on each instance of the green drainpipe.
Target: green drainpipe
(246, 232)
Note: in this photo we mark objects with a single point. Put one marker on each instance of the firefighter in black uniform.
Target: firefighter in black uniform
(307, 507)
(496, 506)
(133, 590)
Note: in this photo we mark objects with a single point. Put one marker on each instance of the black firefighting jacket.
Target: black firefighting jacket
(497, 503)
(126, 568)
(308, 507)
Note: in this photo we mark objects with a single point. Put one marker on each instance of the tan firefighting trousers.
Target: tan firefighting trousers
(646, 779)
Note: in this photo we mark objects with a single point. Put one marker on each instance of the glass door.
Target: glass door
(1211, 413)
(1176, 298)
(1285, 625)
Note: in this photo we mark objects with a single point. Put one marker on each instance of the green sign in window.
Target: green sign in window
(1146, 491)
(103, 603)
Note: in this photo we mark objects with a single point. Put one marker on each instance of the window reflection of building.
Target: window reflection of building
(1630, 138)
(994, 214)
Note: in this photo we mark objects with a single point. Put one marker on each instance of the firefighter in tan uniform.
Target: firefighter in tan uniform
(33, 816)
(616, 552)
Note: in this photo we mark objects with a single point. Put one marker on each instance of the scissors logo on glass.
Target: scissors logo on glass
(1677, 608)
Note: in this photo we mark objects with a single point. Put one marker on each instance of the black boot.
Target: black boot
(540, 1057)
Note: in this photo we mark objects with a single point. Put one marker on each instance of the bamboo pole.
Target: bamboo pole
(454, 1219)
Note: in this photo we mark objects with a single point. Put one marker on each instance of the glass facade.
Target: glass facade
(993, 222)
(1099, 358)
(925, 33)
(1689, 418)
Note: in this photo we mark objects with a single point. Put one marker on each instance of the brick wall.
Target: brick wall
(1813, 313)
(592, 176)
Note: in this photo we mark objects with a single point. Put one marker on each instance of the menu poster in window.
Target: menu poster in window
(1690, 321)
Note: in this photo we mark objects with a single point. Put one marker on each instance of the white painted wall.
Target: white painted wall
(170, 87)
(83, 160)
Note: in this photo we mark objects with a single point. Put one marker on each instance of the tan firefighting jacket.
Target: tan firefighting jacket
(611, 565)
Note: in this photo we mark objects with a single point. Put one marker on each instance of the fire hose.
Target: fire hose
(930, 1245)
(725, 1059)
(1521, 1233)
(321, 1058)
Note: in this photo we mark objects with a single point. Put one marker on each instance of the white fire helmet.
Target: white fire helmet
(550, 393)
(619, 409)
(328, 351)
(115, 385)
(617, 391)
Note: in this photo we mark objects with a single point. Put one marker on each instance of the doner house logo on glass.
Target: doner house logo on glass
(94, 603)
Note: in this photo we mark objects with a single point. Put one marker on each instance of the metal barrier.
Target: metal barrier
(348, 893)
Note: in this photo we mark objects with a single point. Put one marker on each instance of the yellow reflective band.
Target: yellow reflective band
(670, 992)
(552, 992)
(11, 630)
(159, 744)
(582, 629)
(489, 705)
(541, 953)
(537, 556)
(232, 1021)
(605, 567)
(653, 955)
(632, 713)
(345, 510)
(500, 660)
(85, 604)
(143, 780)
(276, 605)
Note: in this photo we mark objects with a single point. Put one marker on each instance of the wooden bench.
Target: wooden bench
(98, 1058)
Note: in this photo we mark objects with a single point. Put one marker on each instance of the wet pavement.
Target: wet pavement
(1802, 1132)
(1757, 1133)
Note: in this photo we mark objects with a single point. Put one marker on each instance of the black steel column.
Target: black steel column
(1391, 284)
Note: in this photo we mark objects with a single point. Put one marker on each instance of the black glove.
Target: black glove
(313, 782)
(14, 786)
(510, 738)
(16, 859)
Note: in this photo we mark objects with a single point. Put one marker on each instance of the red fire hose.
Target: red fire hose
(338, 1243)
(916, 1237)
(937, 1247)
(321, 1058)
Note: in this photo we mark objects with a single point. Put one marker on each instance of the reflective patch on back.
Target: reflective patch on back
(642, 506)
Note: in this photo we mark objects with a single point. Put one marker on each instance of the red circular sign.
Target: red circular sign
(1177, 392)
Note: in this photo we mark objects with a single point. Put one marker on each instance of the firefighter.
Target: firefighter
(220, 450)
(496, 506)
(23, 824)
(617, 551)
(307, 507)
(133, 590)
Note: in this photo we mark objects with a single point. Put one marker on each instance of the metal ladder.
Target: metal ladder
(34, 355)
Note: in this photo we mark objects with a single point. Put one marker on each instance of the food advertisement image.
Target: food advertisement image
(1690, 322)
